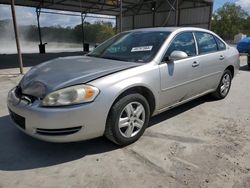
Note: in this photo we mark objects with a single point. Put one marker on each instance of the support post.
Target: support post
(120, 16)
(210, 17)
(153, 9)
(153, 21)
(38, 10)
(41, 45)
(85, 46)
(116, 26)
(133, 22)
(16, 36)
(82, 32)
(177, 13)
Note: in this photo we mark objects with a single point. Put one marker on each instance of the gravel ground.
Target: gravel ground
(204, 143)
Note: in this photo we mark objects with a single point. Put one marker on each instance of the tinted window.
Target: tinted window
(137, 46)
(221, 45)
(206, 42)
(183, 42)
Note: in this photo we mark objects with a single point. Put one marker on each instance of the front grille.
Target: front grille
(19, 120)
(58, 132)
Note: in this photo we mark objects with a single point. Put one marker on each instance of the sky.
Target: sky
(245, 4)
(27, 16)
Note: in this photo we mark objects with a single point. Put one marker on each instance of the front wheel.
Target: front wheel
(128, 119)
(224, 86)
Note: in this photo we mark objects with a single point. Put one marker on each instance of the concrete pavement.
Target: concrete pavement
(204, 143)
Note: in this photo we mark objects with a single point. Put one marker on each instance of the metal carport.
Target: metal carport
(129, 14)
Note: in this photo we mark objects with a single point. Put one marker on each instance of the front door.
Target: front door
(179, 77)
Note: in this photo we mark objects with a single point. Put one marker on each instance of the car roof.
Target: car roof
(177, 30)
(170, 29)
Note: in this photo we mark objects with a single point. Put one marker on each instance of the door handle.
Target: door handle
(195, 64)
(221, 57)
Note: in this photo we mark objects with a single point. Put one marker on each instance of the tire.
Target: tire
(123, 126)
(225, 81)
(248, 61)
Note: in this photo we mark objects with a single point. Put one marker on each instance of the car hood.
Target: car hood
(63, 72)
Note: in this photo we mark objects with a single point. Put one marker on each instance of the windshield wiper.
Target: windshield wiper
(113, 58)
(92, 55)
(105, 57)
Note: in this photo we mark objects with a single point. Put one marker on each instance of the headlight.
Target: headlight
(71, 95)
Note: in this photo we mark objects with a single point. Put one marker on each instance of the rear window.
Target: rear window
(206, 42)
(221, 45)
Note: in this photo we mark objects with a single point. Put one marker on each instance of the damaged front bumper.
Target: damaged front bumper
(56, 124)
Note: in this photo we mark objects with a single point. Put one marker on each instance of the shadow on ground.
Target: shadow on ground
(245, 68)
(180, 109)
(11, 60)
(20, 152)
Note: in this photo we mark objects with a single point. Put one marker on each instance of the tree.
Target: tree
(94, 33)
(246, 26)
(229, 20)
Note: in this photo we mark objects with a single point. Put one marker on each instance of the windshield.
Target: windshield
(138, 46)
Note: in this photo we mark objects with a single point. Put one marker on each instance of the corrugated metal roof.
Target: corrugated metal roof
(106, 7)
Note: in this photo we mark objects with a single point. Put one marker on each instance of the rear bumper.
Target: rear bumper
(64, 124)
(237, 67)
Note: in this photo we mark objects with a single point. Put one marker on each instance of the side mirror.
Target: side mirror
(177, 55)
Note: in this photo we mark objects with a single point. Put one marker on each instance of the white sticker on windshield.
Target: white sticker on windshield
(141, 48)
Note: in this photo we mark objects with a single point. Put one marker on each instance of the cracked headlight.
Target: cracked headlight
(71, 95)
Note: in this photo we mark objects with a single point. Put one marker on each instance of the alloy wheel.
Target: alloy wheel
(131, 119)
(225, 84)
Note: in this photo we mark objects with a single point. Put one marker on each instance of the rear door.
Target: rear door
(211, 59)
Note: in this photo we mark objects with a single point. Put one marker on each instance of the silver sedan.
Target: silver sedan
(115, 89)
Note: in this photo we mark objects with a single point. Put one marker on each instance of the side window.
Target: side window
(221, 45)
(206, 42)
(183, 42)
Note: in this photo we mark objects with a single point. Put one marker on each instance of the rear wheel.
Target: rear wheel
(224, 86)
(128, 119)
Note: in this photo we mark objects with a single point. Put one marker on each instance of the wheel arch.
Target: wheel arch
(231, 69)
(144, 91)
